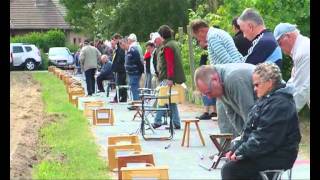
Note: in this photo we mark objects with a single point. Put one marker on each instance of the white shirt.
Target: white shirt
(300, 75)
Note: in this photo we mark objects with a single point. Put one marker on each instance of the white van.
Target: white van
(25, 55)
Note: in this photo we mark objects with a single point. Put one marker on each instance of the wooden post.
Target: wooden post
(191, 56)
(180, 30)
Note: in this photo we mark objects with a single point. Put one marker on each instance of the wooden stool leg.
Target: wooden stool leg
(201, 137)
(184, 133)
(188, 134)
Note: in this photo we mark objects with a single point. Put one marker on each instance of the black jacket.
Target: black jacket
(242, 43)
(118, 60)
(133, 64)
(272, 135)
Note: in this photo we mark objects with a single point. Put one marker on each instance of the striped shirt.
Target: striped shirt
(221, 47)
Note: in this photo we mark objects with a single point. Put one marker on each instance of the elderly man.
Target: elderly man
(264, 46)
(297, 47)
(271, 137)
(221, 48)
(157, 40)
(89, 57)
(232, 85)
(105, 73)
(170, 71)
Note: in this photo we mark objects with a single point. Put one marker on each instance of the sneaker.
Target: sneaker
(213, 114)
(175, 127)
(204, 116)
(155, 126)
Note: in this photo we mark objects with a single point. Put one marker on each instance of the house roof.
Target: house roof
(31, 14)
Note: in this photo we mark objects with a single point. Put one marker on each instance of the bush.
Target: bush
(45, 61)
(72, 47)
(43, 40)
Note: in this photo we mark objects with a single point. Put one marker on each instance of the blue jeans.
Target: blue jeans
(134, 84)
(208, 101)
(175, 115)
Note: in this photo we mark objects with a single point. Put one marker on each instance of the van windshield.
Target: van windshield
(57, 51)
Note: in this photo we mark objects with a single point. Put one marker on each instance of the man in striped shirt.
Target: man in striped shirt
(221, 47)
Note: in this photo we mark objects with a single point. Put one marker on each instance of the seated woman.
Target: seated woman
(271, 137)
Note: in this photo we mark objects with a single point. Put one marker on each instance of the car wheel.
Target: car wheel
(30, 64)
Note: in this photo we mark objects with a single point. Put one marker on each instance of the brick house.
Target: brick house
(40, 16)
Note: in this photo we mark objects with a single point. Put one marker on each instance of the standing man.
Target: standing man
(118, 67)
(221, 48)
(89, 57)
(133, 66)
(170, 71)
(148, 65)
(264, 45)
(297, 47)
(232, 85)
(242, 43)
(157, 40)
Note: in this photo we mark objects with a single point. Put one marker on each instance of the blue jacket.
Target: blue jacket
(264, 48)
(106, 70)
(133, 64)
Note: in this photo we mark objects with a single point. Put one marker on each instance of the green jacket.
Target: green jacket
(178, 74)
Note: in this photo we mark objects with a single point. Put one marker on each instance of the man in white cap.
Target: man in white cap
(133, 42)
(297, 47)
(157, 40)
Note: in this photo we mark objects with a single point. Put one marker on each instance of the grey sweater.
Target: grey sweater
(89, 57)
(238, 94)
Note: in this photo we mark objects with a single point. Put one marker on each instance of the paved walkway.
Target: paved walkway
(183, 162)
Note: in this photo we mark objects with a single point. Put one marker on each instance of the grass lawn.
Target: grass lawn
(67, 144)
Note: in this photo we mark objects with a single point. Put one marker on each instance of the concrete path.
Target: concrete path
(183, 162)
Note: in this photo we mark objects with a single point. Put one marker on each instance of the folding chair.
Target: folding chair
(141, 159)
(225, 138)
(151, 172)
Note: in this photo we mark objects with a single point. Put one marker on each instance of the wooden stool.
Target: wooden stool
(146, 158)
(187, 130)
(74, 94)
(89, 105)
(116, 150)
(102, 116)
(227, 137)
(123, 139)
(152, 172)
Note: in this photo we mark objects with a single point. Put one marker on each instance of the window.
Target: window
(28, 48)
(17, 49)
(74, 40)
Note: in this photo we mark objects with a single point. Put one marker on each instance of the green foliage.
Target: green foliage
(72, 47)
(73, 152)
(45, 61)
(44, 40)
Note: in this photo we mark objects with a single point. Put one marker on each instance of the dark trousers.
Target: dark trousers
(248, 169)
(90, 80)
(121, 80)
(100, 79)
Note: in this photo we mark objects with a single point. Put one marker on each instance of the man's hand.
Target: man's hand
(229, 154)
(233, 157)
(170, 83)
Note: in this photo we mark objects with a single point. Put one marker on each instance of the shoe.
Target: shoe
(213, 114)
(132, 108)
(155, 126)
(175, 127)
(114, 101)
(204, 116)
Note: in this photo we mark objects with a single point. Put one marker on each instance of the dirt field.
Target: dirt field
(26, 117)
